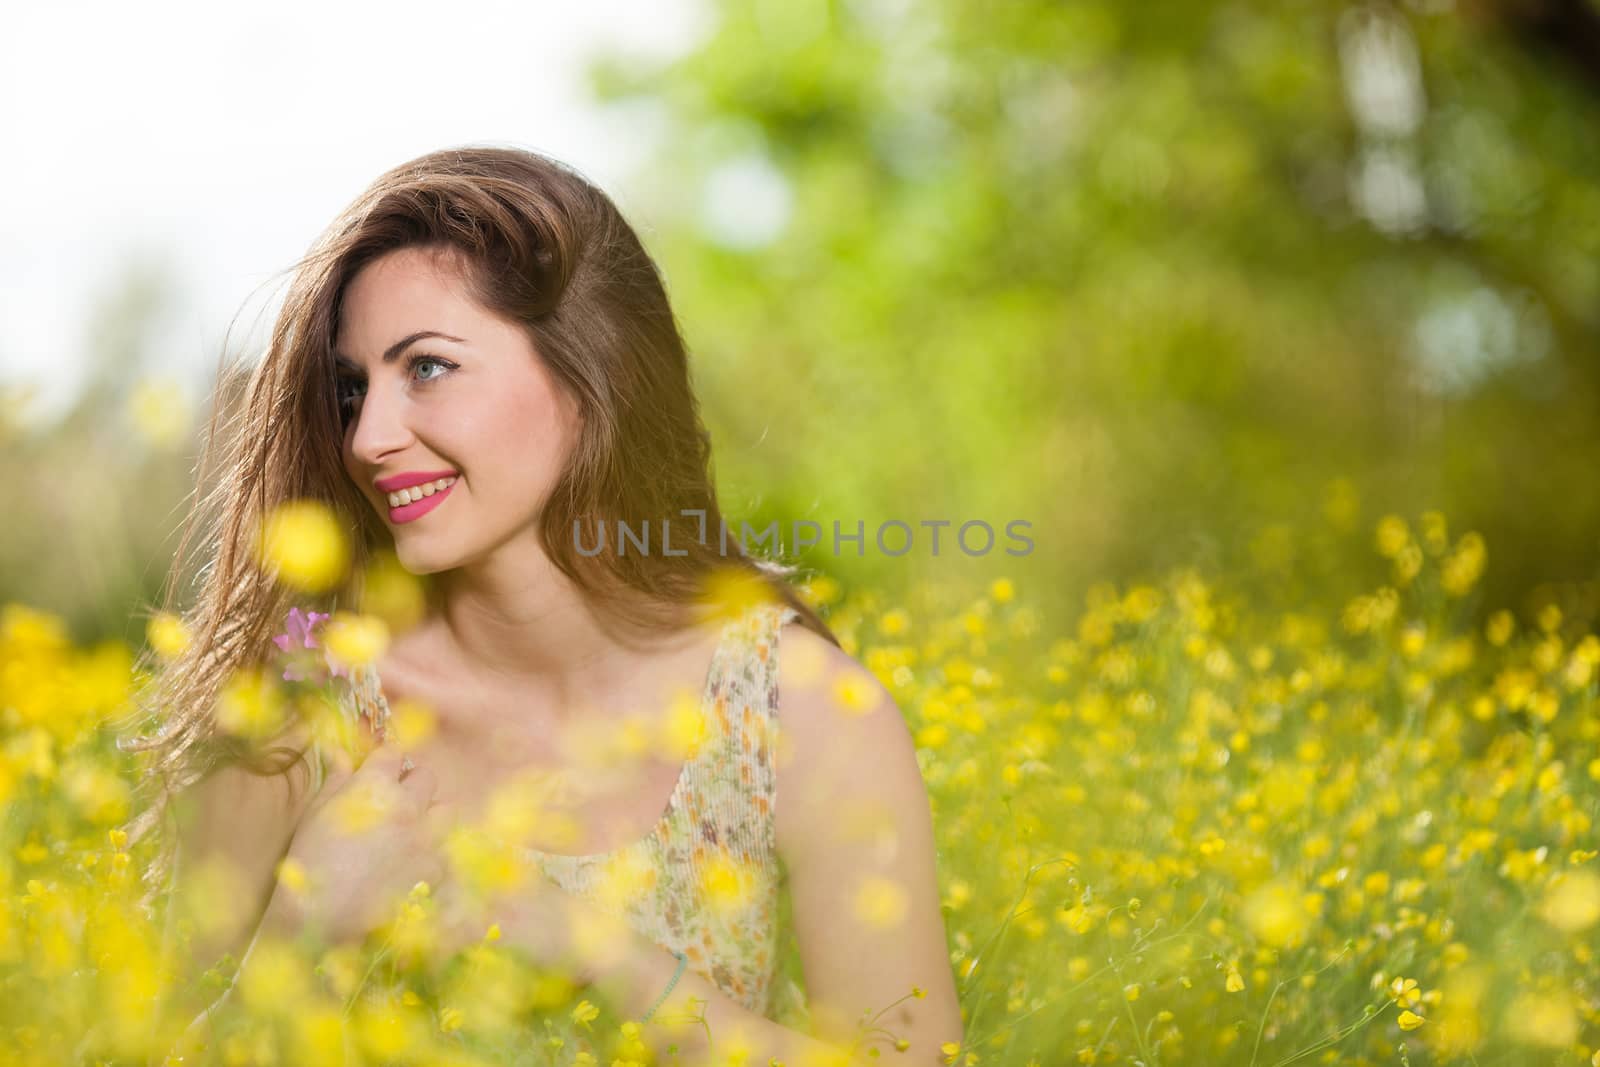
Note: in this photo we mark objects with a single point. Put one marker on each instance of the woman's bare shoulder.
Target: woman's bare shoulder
(810, 664)
(840, 730)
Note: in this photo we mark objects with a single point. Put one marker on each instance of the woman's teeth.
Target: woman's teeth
(417, 492)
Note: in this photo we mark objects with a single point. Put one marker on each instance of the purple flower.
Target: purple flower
(300, 626)
(299, 635)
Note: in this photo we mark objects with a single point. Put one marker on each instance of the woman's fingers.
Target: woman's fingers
(411, 794)
(380, 771)
(438, 820)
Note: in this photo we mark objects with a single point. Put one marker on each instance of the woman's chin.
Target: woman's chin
(419, 559)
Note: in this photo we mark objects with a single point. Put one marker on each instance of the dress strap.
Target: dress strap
(750, 692)
(768, 627)
(364, 695)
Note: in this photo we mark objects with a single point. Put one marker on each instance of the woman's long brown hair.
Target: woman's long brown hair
(542, 247)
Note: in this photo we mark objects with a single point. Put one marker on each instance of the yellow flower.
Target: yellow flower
(1277, 915)
(391, 593)
(856, 692)
(1410, 1020)
(159, 411)
(1002, 590)
(1235, 980)
(1141, 603)
(626, 876)
(1545, 1018)
(305, 544)
(450, 1019)
(168, 635)
(1572, 901)
(1463, 567)
(411, 723)
(1435, 531)
(1407, 565)
(727, 883)
(292, 875)
(821, 590)
(1404, 992)
(686, 728)
(584, 1014)
(729, 591)
(362, 806)
(881, 902)
(1078, 918)
(251, 705)
(355, 640)
(1392, 536)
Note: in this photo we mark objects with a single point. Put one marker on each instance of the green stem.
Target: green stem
(355, 994)
(1256, 1051)
(1329, 1042)
(1141, 946)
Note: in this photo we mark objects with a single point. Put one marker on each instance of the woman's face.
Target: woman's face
(469, 397)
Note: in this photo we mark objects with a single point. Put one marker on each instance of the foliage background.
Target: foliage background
(1153, 278)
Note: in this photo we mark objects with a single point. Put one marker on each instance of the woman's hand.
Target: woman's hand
(546, 925)
(363, 842)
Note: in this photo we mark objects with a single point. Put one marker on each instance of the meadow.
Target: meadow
(1189, 829)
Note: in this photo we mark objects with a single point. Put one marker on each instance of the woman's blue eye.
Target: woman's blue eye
(348, 384)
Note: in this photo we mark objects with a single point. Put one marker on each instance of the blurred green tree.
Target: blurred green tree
(1154, 277)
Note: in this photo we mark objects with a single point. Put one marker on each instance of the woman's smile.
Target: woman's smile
(413, 503)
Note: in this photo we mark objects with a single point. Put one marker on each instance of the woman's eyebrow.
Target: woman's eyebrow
(392, 353)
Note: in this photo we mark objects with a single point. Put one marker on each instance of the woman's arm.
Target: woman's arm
(855, 832)
(232, 829)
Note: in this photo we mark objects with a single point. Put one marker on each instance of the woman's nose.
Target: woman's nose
(380, 427)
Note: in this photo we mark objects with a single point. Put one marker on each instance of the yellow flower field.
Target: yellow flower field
(1187, 829)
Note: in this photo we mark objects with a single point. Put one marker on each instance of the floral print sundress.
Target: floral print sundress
(707, 880)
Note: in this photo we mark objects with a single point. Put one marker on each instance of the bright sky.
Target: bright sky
(218, 140)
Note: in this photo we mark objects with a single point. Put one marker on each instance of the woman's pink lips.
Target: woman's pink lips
(418, 508)
(396, 482)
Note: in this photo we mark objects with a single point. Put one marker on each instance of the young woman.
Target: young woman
(477, 366)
